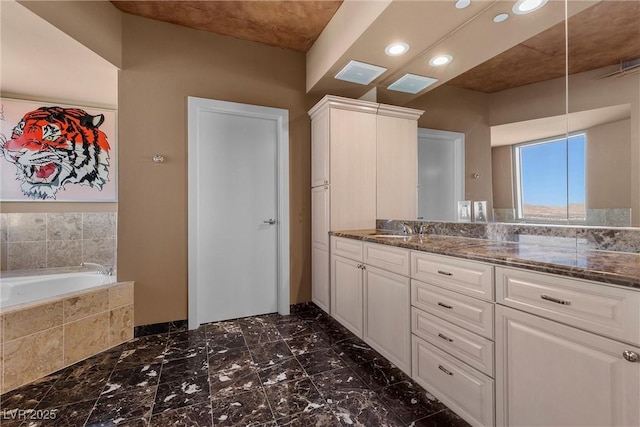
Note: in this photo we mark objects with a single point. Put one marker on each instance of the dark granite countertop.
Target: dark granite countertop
(614, 268)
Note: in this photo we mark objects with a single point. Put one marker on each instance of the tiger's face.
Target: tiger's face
(54, 146)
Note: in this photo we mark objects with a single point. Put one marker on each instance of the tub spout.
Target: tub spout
(101, 268)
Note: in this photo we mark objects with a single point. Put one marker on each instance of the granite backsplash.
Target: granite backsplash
(581, 238)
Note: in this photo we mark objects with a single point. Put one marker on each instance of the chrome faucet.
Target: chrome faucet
(406, 228)
(101, 268)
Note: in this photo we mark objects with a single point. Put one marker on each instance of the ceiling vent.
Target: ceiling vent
(359, 72)
(412, 83)
(626, 68)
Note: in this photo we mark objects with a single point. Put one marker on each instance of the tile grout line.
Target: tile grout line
(95, 404)
(206, 339)
(262, 387)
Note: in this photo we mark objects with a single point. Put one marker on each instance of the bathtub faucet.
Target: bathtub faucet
(101, 268)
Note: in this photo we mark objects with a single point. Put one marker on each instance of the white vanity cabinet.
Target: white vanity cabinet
(452, 333)
(498, 345)
(371, 298)
(567, 351)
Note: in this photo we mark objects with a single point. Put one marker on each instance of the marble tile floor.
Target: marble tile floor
(299, 370)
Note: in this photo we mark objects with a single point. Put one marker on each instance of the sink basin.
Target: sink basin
(392, 236)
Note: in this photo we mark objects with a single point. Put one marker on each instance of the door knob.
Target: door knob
(269, 221)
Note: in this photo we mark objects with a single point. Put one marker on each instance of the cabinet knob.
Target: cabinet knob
(631, 356)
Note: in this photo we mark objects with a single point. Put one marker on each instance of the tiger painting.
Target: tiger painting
(54, 146)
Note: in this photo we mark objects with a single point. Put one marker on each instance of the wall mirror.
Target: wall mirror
(553, 135)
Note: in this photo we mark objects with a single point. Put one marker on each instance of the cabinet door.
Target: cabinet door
(353, 170)
(548, 374)
(320, 217)
(320, 284)
(387, 322)
(346, 293)
(320, 149)
(397, 166)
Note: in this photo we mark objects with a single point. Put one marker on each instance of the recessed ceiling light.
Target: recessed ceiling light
(527, 6)
(396, 49)
(461, 4)
(500, 17)
(440, 60)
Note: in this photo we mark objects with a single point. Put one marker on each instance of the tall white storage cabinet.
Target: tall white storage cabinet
(348, 138)
(343, 179)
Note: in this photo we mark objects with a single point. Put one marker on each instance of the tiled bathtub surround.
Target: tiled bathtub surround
(31, 241)
(576, 237)
(41, 338)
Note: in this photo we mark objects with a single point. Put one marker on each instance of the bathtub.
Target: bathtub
(22, 290)
(51, 321)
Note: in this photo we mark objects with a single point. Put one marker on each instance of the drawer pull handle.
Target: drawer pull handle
(445, 370)
(444, 337)
(441, 304)
(556, 300)
(630, 356)
(446, 273)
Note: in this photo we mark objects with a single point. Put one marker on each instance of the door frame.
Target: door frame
(281, 117)
(457, 139)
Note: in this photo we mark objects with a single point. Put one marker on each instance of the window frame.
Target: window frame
(516, 154)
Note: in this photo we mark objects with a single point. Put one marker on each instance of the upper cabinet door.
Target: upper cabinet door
(320, 149)
(353, 170)
(397, 162)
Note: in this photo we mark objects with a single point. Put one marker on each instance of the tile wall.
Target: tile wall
(31, 241)
(45, 337)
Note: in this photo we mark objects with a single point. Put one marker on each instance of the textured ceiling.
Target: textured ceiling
(287, 24)
(602, 35)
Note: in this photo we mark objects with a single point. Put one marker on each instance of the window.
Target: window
(550, 179)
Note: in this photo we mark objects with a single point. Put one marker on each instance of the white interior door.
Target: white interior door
(440, 174)
(235, 214)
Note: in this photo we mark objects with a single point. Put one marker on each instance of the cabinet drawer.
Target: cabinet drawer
(601, 309)
(466, 277)
(466, 346)
(348, 248)
(388, 258)
(466, 391)
(469, 313)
